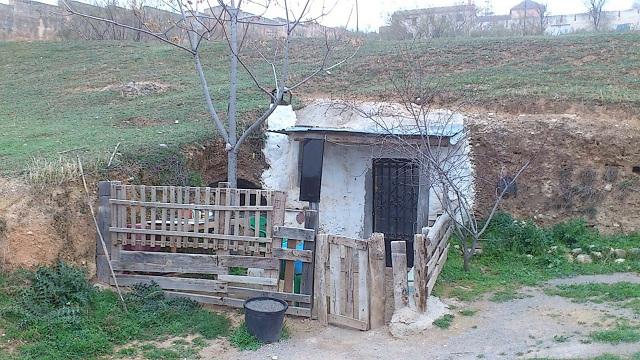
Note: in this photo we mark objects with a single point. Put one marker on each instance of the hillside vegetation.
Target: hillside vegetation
(58, 96)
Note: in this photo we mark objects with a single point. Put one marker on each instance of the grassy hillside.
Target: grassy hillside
(57, 96)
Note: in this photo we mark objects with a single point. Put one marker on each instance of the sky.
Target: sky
(374, 13)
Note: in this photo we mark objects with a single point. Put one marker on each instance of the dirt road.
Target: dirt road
(521, 328)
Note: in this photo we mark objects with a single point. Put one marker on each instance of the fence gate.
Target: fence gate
(343, 288)
(213, 245)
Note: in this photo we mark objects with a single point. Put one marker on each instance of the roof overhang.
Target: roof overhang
(362, 137)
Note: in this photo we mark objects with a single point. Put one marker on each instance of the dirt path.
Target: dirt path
(521, 328)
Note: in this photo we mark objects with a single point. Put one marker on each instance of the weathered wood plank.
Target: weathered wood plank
(244, 293)
(169, 262)
(306, 281)
(376, 272)
(400, 282)
(336, 277)
(436, 272)
(320, 281)
(336, 319)
(237, 303)
(185, 233)
(420, 272)
(291, 254)
(252, 280)
(363, 286)
(174, 283)
(349, 242)
(294, 233)
(188, 206)
(266, 263)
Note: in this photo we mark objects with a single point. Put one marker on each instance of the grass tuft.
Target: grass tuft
(444, 322)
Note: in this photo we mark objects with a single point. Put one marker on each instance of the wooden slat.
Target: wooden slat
(420, 273)
(437, 270)
(267, 263)
(349, 283)
(163, 224)
(238, 303)
(363, 286)
(306, 280)
(184, 233)
(188, 206)
(169, 262)
(294, 233)
(336, 277)
(399, 264)
(172, 218)
(207, 220)
(292, 254)
(245, 293)
(320, 281)
(336, 319)
(345, 241)
(154, 215)
(376, 272)
(174, 283)
(253, 280)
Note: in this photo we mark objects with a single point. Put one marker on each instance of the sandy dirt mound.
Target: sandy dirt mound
(43, 226)
(581, 166)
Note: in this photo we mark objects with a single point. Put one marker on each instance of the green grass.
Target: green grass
(444, 322)
(622, 333)
(60, 106)
(625, 294)
(506, 263)
(59, 317)
(468, 312)
(243, 340)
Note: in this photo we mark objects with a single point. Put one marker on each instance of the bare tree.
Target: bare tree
(438, 142)
(543, 17)
(199, 28)
(594, 8)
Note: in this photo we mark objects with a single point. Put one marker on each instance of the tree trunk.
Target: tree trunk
(232, 168)
(233, 90)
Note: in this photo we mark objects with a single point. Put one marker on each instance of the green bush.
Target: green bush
(505, 234)
(574, 233)
(59, 315)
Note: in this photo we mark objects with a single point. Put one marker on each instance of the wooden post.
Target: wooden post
(306, 281)
(400, 282)
(420, 273)
(376, 274)
(104, 221)
(320, 283)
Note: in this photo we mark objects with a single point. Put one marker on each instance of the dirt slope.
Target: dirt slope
(43, 226)
(581, 166)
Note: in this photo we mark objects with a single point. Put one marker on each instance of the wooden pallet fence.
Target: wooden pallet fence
(431, 250)
(213, 245)
(343, 282)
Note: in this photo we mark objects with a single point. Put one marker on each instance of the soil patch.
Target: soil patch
(42, 227)
(210, 160)
(138, 88)
(581, 166)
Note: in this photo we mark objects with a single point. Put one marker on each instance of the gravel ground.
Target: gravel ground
(521, 328)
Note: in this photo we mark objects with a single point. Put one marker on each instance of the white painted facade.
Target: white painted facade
(346, 200)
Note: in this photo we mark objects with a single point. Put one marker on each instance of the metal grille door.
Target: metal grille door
(395, 184)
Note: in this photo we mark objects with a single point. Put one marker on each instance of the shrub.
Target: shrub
(506, 234)
(574, 233)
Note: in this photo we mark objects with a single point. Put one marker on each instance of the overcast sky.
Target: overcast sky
(374, 13)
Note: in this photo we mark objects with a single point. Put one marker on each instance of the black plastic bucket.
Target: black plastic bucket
(264, 317)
